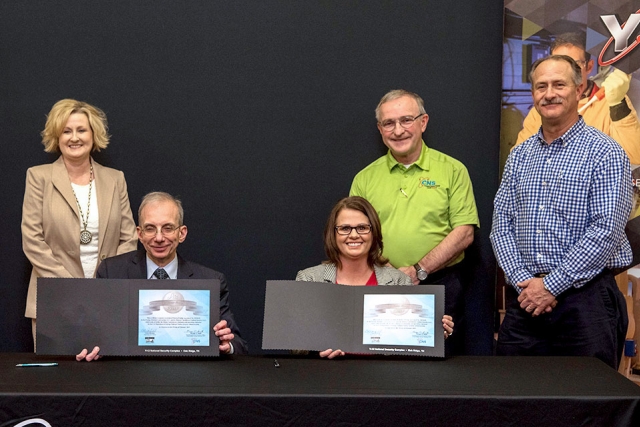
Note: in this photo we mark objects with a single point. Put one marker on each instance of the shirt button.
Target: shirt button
(548, 161)
(541, 207)
(544, 183)
(539, 256)
(539, 231)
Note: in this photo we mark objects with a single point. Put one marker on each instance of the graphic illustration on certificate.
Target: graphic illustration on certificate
(399, 320)
(173, 318)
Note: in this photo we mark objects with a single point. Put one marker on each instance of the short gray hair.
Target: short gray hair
(161, 196)
(399, 93)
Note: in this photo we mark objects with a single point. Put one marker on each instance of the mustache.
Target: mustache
(556, 100)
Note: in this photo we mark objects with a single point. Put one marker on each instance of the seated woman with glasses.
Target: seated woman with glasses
(353, 243)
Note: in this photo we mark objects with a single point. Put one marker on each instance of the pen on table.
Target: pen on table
(29, 365)
(275, 363)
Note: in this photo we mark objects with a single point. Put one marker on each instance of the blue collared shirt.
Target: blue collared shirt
(562, 208)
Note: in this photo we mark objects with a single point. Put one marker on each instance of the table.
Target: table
(356, 391)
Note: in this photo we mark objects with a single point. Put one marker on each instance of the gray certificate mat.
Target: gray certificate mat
(400, 320)
(128, 317)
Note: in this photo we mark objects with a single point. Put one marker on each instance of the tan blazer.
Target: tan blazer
(51, 223)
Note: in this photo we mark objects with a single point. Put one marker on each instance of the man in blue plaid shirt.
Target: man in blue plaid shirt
(558, 228)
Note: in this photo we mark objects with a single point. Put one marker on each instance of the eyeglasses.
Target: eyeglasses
(345, 230)
(165, 230)
(405, 122)
(581, 63)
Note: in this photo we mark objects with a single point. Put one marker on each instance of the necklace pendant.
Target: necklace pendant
(85, 237)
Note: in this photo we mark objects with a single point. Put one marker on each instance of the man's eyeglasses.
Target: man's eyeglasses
(581, 63)
(405, 122)
(360, 229)
(165, 230)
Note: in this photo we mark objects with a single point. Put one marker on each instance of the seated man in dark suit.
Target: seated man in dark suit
(161, 230)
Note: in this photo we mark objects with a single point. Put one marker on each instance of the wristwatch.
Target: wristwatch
(420, 273)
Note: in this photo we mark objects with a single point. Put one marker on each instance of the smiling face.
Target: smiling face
(555, 95)
(76, 141)
(405, 144)
(161, 248)
(353, 246)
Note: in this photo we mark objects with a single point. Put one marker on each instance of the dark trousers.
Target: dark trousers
(453, 305)
(588, 321)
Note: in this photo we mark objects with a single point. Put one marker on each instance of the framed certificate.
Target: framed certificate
(128, 317)
(400, 320)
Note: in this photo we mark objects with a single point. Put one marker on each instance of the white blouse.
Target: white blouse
(89, 252)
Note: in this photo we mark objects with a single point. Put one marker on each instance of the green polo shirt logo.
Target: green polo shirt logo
(428, 183)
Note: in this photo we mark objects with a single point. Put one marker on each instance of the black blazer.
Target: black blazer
(133, 265)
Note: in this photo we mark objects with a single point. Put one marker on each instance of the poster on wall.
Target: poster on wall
(604, 39)
(609, 32)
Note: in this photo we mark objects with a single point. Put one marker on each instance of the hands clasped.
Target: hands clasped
(535, 298)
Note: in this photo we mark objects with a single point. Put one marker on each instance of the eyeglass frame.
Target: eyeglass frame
(353, 228)
(581, 63)
(147, 233)
(397, 122)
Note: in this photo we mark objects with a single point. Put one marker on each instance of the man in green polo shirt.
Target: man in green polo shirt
(424, 199)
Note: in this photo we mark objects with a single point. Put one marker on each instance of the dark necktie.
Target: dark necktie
(161, 274)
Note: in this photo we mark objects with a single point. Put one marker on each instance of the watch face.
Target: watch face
(422, 274)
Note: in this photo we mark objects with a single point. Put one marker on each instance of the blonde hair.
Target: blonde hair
(57, 120)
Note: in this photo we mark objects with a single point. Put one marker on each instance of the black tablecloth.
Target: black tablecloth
(375, 391)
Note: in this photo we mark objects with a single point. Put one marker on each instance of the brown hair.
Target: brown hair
(576, 71)
(578, 40)
(361, 205)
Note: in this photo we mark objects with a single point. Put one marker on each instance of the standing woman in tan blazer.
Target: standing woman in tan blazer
(75, 212)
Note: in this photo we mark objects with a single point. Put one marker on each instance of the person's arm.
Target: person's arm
(303, 277)
(534, 298)
(502, 234)
(609, 205)
(530, 126)
(624, 126)
(463, 219)
(128, 235)
(626, 131)
(239, 345)
(34, 246)
(446, 251)
(357, 186)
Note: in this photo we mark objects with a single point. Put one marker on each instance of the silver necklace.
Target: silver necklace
(85, 235)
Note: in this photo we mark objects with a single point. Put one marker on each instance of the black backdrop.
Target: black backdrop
(256, 113)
